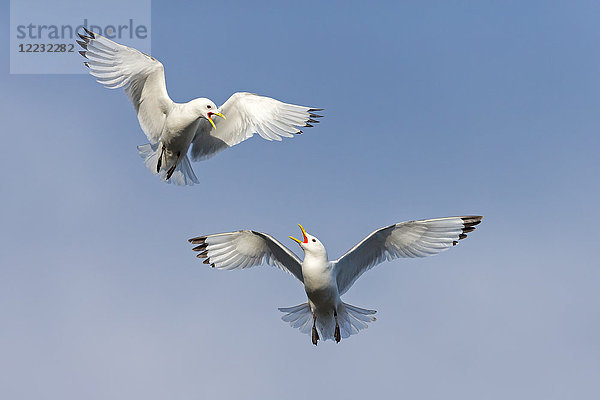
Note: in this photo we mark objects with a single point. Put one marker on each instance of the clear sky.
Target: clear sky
(432, 109)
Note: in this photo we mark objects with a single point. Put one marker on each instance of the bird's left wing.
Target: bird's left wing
(406, 239)
(142, 76)
(245, 249)
(247, 114)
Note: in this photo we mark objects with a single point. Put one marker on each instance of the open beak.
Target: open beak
(210, 114)
(303, 234)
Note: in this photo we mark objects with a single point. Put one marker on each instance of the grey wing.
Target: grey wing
(205, 145)
(247, 114)
(245, 249)
(406, 239)
(142, 77)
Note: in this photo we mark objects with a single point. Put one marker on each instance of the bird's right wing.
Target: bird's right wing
(247, 114)
(406, 239)
(142, 77)
(245, 249)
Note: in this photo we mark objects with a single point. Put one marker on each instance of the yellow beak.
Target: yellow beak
(211, 121)
(303, 234)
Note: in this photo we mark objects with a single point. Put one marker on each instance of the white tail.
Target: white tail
(183, 175)
(351, 320)
(299, 317)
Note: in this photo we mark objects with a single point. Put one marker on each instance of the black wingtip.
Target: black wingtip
(469, 223)
(86, 39)
(299, 132)
(197, 240)
(308, 126)
(82, 44)
(201, 247)
(315, 109)
(90, 33)
(313, 121)
(472, 220)
(87, 64)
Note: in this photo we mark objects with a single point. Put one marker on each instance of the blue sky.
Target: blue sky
(432, 109)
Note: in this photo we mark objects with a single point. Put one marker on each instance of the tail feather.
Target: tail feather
(183, 174)
(149, 152)
(351, 320)
(299, 316)
(185, 169)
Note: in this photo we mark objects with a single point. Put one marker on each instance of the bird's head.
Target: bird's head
(207, 109)
(310, 244)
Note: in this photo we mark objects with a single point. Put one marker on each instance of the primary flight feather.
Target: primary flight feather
(173, 127)
(325, 315)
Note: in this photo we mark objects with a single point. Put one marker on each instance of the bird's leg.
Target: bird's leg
(336, 335)
(159, 163)
(172, 169)
(315, 334)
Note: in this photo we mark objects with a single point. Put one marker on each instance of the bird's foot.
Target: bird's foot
(172, 169)
(337, 334)
(315, 336)
(159, 163)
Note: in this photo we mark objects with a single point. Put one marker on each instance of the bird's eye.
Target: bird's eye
(314, 240)
(209, 107)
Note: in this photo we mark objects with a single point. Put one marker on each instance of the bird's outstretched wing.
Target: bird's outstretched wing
(406, 239)
(247, 114)
(142, 77)
(245, 249)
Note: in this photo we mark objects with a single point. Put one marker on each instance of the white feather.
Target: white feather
(177, 126)
(325, 281)
(406, 239)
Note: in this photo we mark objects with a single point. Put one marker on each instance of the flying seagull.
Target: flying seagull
(173, 127)
(325, 315)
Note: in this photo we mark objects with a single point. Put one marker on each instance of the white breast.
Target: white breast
(319, 281)
(179, 130)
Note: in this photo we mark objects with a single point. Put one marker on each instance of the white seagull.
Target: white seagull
(325, 315)
(172, 127)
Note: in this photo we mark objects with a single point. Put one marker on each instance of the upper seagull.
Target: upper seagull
(172, 127)
(325, 314)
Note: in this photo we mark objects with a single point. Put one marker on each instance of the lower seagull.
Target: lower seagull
(325, 315)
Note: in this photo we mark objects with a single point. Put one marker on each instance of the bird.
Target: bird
(173, 127)
(325, 316)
